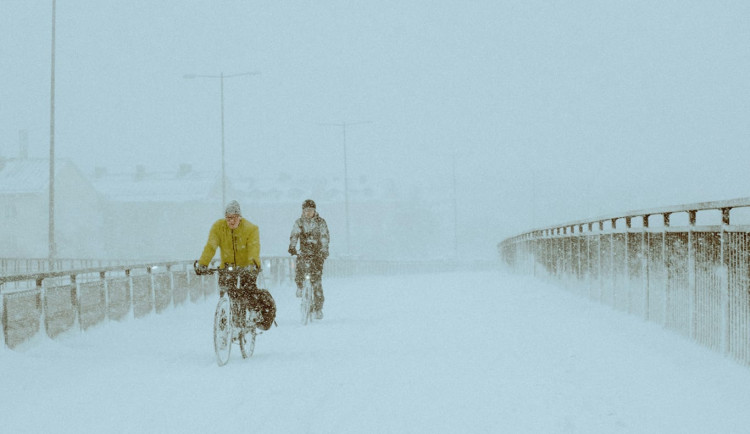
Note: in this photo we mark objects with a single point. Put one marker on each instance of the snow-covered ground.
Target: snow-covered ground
(463, 352)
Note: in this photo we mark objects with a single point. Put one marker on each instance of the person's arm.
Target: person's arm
(294, 237)
(324, 238)
(254, 245)
(211, 245)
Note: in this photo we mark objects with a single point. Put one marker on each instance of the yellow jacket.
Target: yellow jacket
(240, 246)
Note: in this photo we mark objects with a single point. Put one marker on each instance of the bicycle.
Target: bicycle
(231, 325)
(307, 300)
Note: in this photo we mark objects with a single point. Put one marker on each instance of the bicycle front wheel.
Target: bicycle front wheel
(223, 331)
(306, 303)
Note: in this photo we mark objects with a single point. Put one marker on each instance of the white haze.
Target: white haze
(553, 111)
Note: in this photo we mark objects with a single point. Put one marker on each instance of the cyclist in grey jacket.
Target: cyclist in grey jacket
(311, 231)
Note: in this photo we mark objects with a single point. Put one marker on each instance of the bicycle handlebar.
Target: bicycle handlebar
(217, 269)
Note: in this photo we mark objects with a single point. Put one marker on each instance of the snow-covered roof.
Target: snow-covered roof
(141, 186)
(288, 189)
(31, 176)
(26, 176)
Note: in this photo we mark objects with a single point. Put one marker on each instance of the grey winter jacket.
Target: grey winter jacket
(312, 235)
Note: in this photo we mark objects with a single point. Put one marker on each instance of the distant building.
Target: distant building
(167, 215)
(24, 210)
(158, 215)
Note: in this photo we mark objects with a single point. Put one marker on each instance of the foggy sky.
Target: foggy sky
(554, 111)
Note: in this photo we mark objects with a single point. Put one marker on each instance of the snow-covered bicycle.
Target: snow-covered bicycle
(307, 300)
(234, 324)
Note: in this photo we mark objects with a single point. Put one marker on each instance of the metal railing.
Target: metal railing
(57, 301)
(692, 278)
(16, 266)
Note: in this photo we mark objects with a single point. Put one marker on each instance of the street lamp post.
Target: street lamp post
(343, 126)
(221, 78)
(455, 210)
(52, 246)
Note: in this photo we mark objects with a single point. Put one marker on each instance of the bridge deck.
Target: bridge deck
(460, 352)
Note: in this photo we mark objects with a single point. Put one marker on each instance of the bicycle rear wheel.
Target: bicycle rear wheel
(223, 331)
(247, 342)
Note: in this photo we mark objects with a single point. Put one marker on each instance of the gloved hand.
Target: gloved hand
(251, 270)
(324, 254)
(200, 269)
(292, 251)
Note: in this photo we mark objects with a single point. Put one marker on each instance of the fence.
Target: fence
(692, 278)
(57, 301)
(15, 266)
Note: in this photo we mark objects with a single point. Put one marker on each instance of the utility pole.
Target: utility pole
(455, 210)
(52, 246)
(221, 78)
(343, 126)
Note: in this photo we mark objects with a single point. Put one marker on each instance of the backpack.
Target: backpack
(263, 302)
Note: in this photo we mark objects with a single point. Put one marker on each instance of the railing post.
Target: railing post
(599, 242)
(130, 292)
(580, 252)
(105, 288)
(534, 252)
(665, 265)
(171, 286)
(42, 303)
(626, 267)
(613, 277)
(724, 280)
(645, 262)
(76, 300)
(152, 289)
(692, 288)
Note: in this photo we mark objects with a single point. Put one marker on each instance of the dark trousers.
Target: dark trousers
(316, 278)
(240, 285)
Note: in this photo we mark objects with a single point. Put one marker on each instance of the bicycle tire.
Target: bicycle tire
(306, 303)
(223, 331)
(247, 343)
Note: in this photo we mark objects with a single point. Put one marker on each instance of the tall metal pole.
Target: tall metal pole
(343, 126)
(346, 192)
(223, 159)
(52, 247)
(221, 78)
(455, 210)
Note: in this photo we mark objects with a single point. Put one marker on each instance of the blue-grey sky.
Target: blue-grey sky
(554, 110)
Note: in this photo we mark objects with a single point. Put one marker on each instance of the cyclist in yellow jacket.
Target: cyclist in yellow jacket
(239, 242)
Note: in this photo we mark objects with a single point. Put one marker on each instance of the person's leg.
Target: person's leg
(318, 297)
(236, 302)
(298, 277)
(248, 288)
(228, 285)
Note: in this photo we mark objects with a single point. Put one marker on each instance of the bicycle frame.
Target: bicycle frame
(308, 297)
(227, 330)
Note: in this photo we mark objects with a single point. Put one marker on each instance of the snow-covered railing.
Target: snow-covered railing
(692, 278)
(57, 301)
(15, 266)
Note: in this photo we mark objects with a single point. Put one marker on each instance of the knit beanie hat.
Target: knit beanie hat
(309, 203)
(233, 207)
